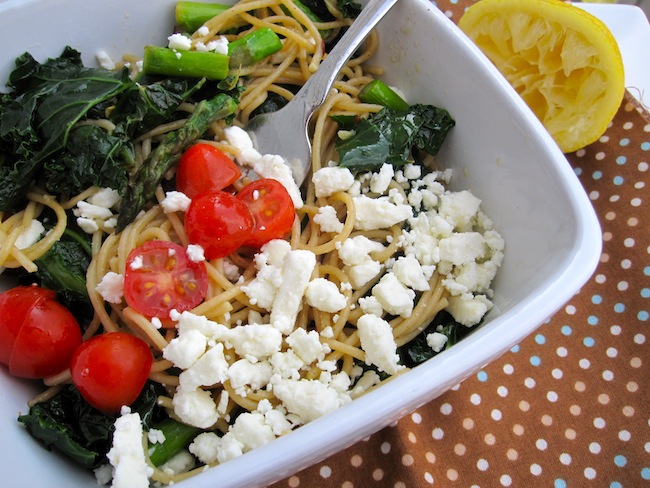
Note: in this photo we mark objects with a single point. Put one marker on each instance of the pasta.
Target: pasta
(228, 303)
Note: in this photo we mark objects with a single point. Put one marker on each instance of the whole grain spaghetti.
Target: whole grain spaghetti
(332, 346)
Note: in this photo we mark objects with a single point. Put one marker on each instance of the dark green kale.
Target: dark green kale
(63, 268)
(68, 424)
(349, 8)
(37, 116)
(392, 135)
(417, 351)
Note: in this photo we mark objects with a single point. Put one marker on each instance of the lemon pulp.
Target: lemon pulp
(564, 63)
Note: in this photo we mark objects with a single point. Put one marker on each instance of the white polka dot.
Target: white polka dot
(475, 398)
(628, 410)
(508, 369)
(518, 429)
(496, 414)
(551, 396)
(579, 386)
(452, 474)
(460, 449)
(407, 460)
(639, 339)
(489, 439)
(535, 469)
(622, 285)
(590, 473)
(512, 454)
(632, 387)
(445, 409)
(570, 434)
(615, 330)
(575, 409)
(325, 471)
(594, 448)
(428, 477)
(385, 447)
(562, 352)
(529, 382)
(482, 464)
(584, 363)
(378, 474)
(611, 352)
(646, 446)
(636, 202)
(608, 375)
(547, 420)
(437, 433)
(524, 406)
(599, 423)
(603, 398)
(626, 264)
(624, 435)
(557, 373)
(502, 391)
(468, 423)
(565, 458)
(570, 309)
(541, 444)
(412, 437)
(636, 362)
(416, 418)
(505, 480)
(356, 460)
(293, 482)
(600, 279)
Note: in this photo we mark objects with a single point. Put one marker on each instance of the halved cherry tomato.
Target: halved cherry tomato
(38, 335)
(160, 277)
(219, 222)
(202, 168)
(109, 370)
(272, 208)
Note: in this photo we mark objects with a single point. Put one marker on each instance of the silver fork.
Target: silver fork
(285, 132)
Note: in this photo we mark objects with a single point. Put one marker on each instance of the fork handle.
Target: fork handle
(315, 90)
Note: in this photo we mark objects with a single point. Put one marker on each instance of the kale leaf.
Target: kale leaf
(390, 136)
(417, 351)
(68, 424)
(37, 116)
(349, 8)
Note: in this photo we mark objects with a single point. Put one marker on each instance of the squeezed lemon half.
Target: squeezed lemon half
(563, 61)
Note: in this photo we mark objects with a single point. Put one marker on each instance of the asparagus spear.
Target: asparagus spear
(380, 93)
(253, 47)
(194, 64)
(143, 183)
(192, 15)
(177, 436)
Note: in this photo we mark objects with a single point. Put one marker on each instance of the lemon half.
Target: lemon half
(563, 61)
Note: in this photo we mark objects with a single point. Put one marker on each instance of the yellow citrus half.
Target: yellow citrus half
(563, 61)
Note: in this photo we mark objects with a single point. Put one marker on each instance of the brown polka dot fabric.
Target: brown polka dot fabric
(569, 405)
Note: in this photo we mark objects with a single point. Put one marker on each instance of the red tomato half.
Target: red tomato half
(219, 222)
(272, 208)
(38, 335)
(161, 277)
(202, 168)
(110, 370)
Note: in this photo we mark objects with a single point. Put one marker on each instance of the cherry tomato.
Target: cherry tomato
(272, 209)
(219, 222)
(160, 277)
(202, 168)
(38, 335)
(110, 370)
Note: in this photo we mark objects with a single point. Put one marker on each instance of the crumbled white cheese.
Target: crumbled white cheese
(104, 60)
(275, 167)
(436, 341)
(179, 42)
(105, 197)
(379, 213)
(325, 296)
(211, 368)
(175, 201)
(244, 373)
(30, 235)
(130, 469)
(255, 340)
(468, 310)
(309, 399)
(306, 345)
(239, 139)
(394, 297)
(195, 407)
(296, 273)
(411, 273)
(377, 341)
(185, 349)
(111, 287)
(327, 219)
(380, 181)
(195, 253)
(330, 180)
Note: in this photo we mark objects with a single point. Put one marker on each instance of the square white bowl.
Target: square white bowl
(498, 150)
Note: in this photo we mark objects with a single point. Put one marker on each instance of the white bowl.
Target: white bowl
(498, 150)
